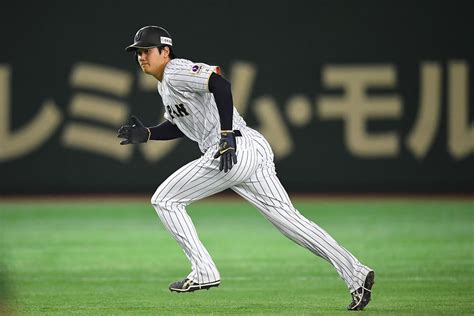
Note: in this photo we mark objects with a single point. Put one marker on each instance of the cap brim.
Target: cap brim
(138, 45)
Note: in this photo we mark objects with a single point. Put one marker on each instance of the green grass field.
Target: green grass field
(104, 258)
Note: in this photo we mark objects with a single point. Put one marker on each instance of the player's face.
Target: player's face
(152, 61)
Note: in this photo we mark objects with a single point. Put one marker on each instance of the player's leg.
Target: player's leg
(196, 180)
(265, 191)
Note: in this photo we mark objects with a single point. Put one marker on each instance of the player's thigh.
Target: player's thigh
(265, 191)
(199, 179)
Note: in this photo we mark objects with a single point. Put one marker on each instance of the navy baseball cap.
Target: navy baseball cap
(150, 36)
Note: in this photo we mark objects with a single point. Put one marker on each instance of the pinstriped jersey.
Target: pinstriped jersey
(188, 103)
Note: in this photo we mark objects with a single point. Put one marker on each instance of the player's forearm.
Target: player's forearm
(165, 131)
(222, 92)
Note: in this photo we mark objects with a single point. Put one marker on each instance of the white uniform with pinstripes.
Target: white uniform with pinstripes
(190, 106)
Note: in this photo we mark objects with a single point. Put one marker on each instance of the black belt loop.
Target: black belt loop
(237, 133)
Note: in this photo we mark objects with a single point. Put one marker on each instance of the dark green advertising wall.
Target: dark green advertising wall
(353, 96)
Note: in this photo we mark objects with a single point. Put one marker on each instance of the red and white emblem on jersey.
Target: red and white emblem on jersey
(195, 69)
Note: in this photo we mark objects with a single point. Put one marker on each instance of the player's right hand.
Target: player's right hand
(134, 132)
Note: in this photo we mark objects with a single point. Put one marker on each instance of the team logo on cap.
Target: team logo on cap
(166, 40)
(138, 35)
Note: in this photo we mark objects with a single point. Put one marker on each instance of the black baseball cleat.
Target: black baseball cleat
(188, 285)
(361, 296)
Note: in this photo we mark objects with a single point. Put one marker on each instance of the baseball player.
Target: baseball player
(198, 105)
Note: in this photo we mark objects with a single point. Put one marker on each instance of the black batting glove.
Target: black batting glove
(227, 149)
(133, 133)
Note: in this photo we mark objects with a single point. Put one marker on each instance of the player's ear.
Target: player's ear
(165, 51)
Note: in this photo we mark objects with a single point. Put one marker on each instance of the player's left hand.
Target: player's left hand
(134, 133)
(227, 149)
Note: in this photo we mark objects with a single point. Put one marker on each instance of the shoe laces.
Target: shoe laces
(358, 294)
(187, 284)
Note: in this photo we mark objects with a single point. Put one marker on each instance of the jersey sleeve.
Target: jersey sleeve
(192, 77)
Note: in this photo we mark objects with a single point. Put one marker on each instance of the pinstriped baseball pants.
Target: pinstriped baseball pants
(253, 178)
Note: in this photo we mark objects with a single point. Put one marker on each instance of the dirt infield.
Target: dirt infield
(231, 196)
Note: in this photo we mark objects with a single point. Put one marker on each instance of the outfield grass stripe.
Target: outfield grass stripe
(116, 258)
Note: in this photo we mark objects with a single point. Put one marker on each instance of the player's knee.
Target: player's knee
(156, 202)
(161, 204)
(157, 198)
